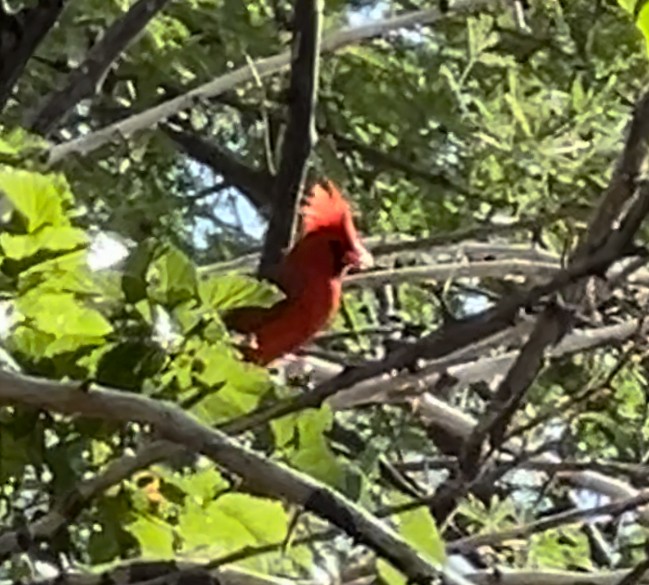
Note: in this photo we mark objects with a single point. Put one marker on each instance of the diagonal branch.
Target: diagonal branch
(300, 134)
(86, 79)
(268, 477)
(67, 508)
(20, 35)
(601, 240)
(84, 145)
(399, 389)
(437, 344)
(253, 183)
(551, 326)
(616, 508)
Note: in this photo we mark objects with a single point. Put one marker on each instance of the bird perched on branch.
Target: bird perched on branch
(310, 276)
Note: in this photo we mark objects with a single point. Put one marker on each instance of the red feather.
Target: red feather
(310, 276)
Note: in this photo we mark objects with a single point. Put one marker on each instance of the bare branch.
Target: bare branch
(624, 180)
(601, 240)
(164, 573)
(442, 272)
(439, 343)
(551, 577)
(469, 366)
(391, 390)
(86, 79)
(510, 393)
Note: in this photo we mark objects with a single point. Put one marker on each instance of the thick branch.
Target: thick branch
(394, 390)
(268, 476)
(300, 134)
(253, 183)
(86, 79)
(20, 35)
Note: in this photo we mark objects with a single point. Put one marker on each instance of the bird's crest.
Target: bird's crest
(326, 208)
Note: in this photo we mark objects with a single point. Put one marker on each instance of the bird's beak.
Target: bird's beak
(360, 258)
(365, 259)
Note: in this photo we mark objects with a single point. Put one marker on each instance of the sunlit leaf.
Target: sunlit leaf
(172, 278)
(38, 198)
(234, 290)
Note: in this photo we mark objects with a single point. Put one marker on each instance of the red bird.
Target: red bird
(310, 276)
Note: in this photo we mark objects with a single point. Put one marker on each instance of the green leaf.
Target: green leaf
(37, 198)
(201, 486)
(309, 451)
(239, 385)
(419, 529)
(236, 290)
(560, 548)
(155, 537)
(639, 11)
(134, 283)
(49, 238)
(109, 539)
(389, 574)
(172, 278)
(62, 314)
(71, 343)
(231, 522)
(30, 342)
(129, 363)
(188, 316)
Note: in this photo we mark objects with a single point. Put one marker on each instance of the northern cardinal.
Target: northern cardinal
(310, 276)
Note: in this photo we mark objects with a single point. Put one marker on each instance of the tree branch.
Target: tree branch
(84, 145)
(20, 35)
(67, 507)
(439, 343)
(469, 366)
(399, 389)
(268, 477)
(548, 523)
(556, 320)
(441, 272)
(86, 79)
(551, 326)
(300, 134)
(253, 183)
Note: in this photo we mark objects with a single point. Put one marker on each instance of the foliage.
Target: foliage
(473, 123)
